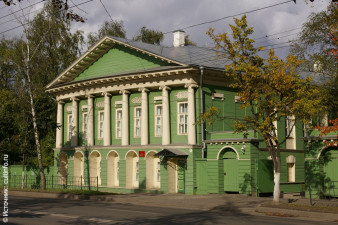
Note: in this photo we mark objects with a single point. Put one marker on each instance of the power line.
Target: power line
(276, 38)
(22, 9)
(226, 17)
(59, 11)
(107, 11)
(268, 35)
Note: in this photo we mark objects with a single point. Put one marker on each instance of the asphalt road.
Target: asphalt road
(36, 211)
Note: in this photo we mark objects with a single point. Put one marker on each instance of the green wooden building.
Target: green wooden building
(127, 115)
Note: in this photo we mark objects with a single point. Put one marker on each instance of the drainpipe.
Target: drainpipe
(202, 112)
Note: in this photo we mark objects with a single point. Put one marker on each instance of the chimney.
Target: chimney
(178, 38)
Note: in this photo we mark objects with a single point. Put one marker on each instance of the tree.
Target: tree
(269, 88)
(46, 48)
(149, 36)
(108, 28)
(60, 5)
(187, 41)
(317, 46)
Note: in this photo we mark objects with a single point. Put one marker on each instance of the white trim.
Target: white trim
(93, 152)
(84, 137)
(140, 121)
(155, 120)
(219, 152)
(77, 152)
(112, 151)
(69, 127)
(98, 124)
(125, 156)
(116, 120)
(148, 153)
(178, 118)
(320, 152)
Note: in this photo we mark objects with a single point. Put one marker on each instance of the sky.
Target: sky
(272, 25)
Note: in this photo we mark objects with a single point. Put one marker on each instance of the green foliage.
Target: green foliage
(52, 48)
(109, 28)
(269, 88)
(317, 44)
(187, 41)
(149, 36)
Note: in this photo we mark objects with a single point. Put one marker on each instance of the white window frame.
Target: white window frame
(118, 120)
(137, 121)
(290, 124)
(158, 117)
(69, 126)
(158, 171)
(291, 172)
(137, 175)
(185, 115)
(100, 125)
(84, 125)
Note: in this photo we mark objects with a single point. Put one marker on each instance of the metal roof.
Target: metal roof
(171, 153)
(190, 55)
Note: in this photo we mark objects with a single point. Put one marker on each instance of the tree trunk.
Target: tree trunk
(276, 189)
(36, 135)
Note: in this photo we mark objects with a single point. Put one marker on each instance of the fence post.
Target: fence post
(81, 182)
(26, 180)
(97, 183)
(66, 181)
(52, 181)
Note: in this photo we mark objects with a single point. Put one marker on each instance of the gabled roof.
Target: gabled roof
(181, 56)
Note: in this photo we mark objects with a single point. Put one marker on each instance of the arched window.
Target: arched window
(95, 168)
(113, 169)
(291, 168)
(78, 168)
(62, 168)
(132, 170)
(153, 176)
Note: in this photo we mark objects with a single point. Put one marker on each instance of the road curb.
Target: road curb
(280, 212)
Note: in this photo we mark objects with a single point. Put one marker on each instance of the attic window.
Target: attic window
(218, 96)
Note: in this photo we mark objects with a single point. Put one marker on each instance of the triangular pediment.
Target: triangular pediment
(111, 57)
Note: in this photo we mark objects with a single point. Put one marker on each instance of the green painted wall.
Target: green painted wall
(120, 59)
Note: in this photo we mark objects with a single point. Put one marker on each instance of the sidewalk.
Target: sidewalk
(229, 203)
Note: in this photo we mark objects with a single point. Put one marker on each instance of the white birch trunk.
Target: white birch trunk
(276, 189)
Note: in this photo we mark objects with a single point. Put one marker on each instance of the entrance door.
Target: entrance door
(181, 175)
(230, 174)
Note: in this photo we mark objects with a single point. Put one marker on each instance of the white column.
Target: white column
(106, 124)
(90, 122)
(75, 121)
(59, 122)
(125, 118)
(191, 114)
(165, 116)
(144, 116)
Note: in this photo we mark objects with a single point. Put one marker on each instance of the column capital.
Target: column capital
(60, 102)
(143, 89)
(74, 99)
(106, 94)
(124, 92)
(164, 88)
(191, 86)
(90, 96)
